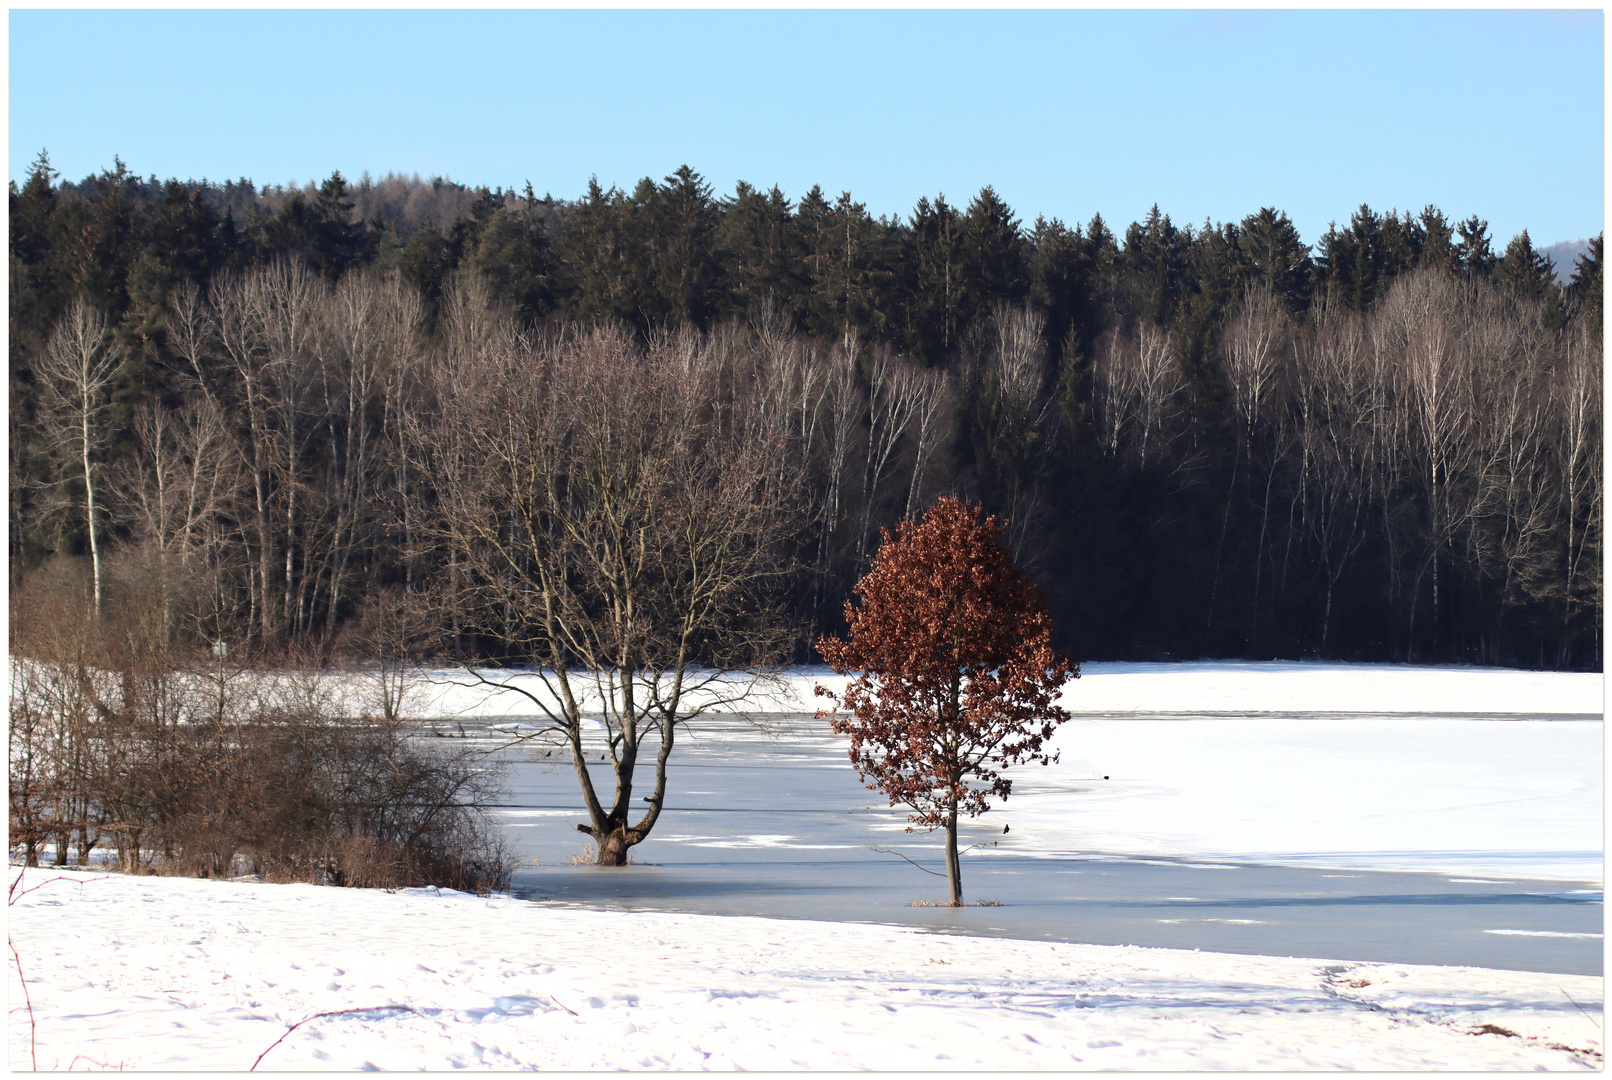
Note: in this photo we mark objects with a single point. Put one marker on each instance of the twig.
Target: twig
(318, 1016)
(92, 1061)
(1580, 1008)
(12, 896)
(32, 1056)
(892, 851)
(557, 1002)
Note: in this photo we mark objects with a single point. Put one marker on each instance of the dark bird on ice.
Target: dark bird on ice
(1005, 828)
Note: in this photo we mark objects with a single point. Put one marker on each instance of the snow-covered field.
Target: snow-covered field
(1373, 767)
(1208, 687)
(180, 974)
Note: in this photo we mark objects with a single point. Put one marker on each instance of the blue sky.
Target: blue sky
(1209, 114)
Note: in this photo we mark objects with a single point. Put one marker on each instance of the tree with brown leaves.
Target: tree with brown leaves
(956, 674)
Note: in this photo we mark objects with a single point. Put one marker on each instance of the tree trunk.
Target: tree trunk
(954, 868)
(89, 504)
(613, 847)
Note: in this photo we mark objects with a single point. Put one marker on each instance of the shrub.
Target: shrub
(123, 731)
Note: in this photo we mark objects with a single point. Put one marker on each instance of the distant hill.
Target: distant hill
(1564, 256)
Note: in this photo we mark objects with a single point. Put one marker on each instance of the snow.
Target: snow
(1479, 773)
(1513, 798)
(167, 973)
(1301, 687)
(1209, 687)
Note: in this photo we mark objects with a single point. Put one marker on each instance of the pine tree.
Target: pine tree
(847, 257)
(425, 261)
(599, 266)
(93, 241)
(339, 243)
(31, 210)
(1351, 260)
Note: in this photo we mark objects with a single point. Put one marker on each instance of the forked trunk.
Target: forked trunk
(613, 848)
(954, 868)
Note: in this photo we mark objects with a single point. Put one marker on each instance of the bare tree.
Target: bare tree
(1255, 354)
(1333, 386)
(842, 397)
(933, 389)
(294, 298)
(1138, 384)
(238, 304)
(1577, 392)
(177, 488)
(371, 326)
(892, 402)
(1514, 502)
(77, 370)
(619, 519)
(1253, 351)
(264, 323)
(1015, 417)
(1435, 394)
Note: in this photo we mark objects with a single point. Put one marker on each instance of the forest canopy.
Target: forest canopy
(1208, 440)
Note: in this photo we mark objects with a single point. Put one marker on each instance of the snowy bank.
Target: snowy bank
(164, 973)
(1206, 687)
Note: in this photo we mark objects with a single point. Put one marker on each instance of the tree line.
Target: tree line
(1207, 441)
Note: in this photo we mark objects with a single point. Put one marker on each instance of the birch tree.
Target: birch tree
(77, 371)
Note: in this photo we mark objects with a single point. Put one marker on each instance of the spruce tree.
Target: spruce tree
(1062, 284)
(1525, 270)
(1585, 288)
(995, 259)
(515, 257)
(934, 269)
(1472, 247)
(758, 244)
(677, 224)
(1438, 241)
(1276, 257)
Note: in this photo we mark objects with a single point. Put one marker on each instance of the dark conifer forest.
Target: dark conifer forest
(1209, 440)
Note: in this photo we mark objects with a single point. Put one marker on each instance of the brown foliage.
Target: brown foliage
(956, 674)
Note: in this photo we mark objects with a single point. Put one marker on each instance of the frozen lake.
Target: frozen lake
(1411, 838)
